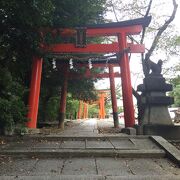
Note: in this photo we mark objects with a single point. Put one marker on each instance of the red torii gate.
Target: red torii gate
(102, 96)
(111, 75)
(83, 111)
(121, 30)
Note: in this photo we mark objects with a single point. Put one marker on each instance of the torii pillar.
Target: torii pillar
(34, 92)
(126, 83)
(79, 110)
(85, 111)
(101, 106)
(63, 100)
(113, 96)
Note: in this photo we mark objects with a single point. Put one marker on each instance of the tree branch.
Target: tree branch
(136, 95)
(133, 39)
(144, 28)
(114, 11)
(161, 30)
(142, 38)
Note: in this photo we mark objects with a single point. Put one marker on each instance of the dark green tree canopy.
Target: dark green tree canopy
(20, 22)
(71, 13)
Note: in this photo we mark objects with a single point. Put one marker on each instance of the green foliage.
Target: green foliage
(176, 93)
(52, 108)
(6, 117)
(71, 13)
(5, 81)
(82, 89)
(176, 90)
(108, 103)
(93, 111)
(68, 13)
(120, 109)
(71, 107)
(177, 40)
(20, 21)
(19, 40)
(12, 108)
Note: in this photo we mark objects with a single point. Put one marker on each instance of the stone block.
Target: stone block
(122, 144)
(33, 131)
(154, 84)
(47, 167)
(172, 152)
(112, 166)
(98, 144)
(73, 144)
(129, 130)
(145, 167)
(157, 115)
(19, 167)
(160, 100)
(166, 131)
(153, 80)
(144, 143)
(79, 166)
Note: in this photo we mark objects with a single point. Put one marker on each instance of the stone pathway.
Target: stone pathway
(81, 153)
(82, 128)
(105, 167)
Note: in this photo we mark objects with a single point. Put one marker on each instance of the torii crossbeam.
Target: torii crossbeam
(121, 30)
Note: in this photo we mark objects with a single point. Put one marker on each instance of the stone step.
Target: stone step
(129, 146)
(93, 177)
(153, 153)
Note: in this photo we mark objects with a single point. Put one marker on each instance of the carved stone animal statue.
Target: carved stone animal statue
(154, 68)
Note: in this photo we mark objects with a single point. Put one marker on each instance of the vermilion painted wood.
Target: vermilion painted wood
(126, 85)
(79, 110)
(34, 92)
(91, 48)
(102, 112)
(85, 111)
(100, 107)
(94, 48)
(40, 62)
(103, 106)
(91, 32)
(131, 30)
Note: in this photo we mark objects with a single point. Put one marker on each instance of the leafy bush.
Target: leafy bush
(71, 107)
(12, 107)
(52, 108)
(93, 111)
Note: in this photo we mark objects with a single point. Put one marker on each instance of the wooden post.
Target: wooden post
(113, 97)
(80, 109)
(63, 99)
(103, 106)
(34, 92)
(126, 83)
(100, 108)
(85, 111)
(102, 112)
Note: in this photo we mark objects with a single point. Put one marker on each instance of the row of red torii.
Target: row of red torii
(83, 106)
(118, 29)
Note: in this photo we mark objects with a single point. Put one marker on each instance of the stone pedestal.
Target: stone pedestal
(166, 131)
(156, 115)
